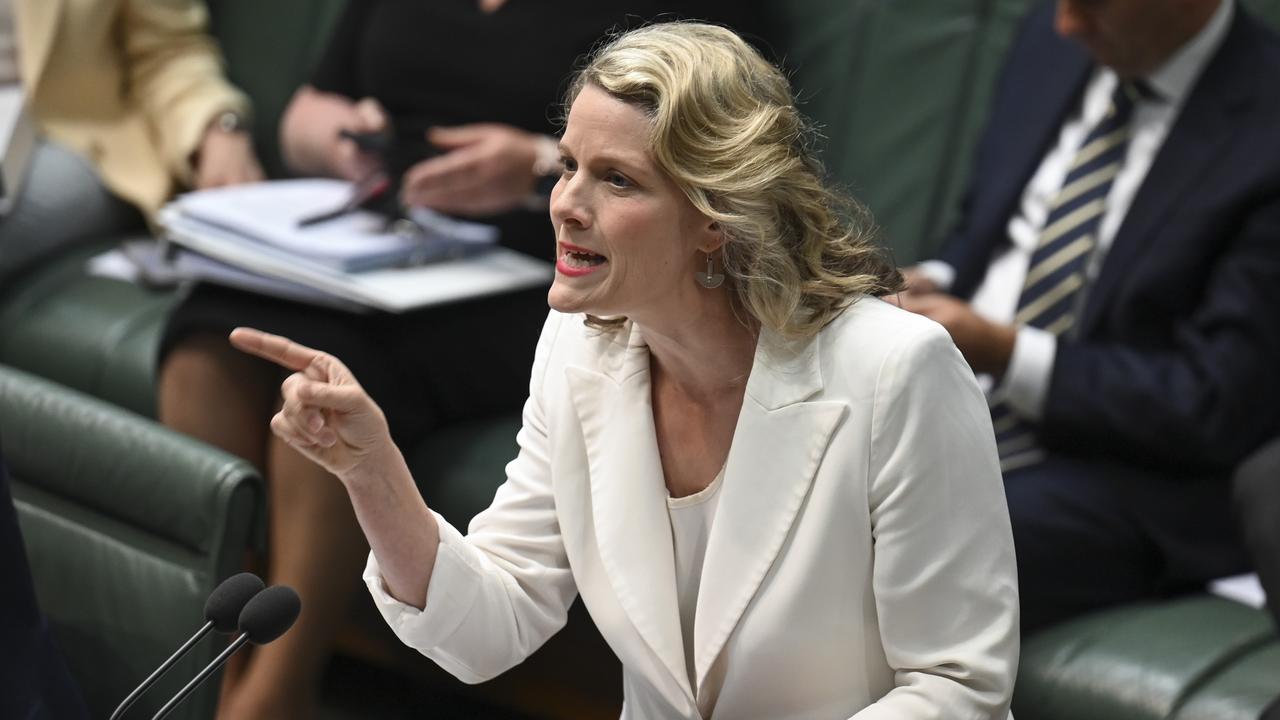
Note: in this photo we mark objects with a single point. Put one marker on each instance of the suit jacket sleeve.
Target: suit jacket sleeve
(496, 595)
(945, 581)
(175, 76)
(1206, 400)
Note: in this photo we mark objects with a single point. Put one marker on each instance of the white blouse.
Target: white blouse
(691, 518)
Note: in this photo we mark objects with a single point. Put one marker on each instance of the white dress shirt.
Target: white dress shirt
(1026, 382)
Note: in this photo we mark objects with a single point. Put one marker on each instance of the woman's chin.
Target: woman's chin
(564, 300)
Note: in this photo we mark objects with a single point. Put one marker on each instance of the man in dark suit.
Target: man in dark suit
(1116, 277)
(34, 682)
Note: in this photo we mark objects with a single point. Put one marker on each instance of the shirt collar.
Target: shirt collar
(1173, 80)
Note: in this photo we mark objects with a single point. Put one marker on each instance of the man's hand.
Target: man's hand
(348, 161)
(225, 158)
(917, 283)
(986, 345)
(491, 6)
(488, 169)
(326, 415)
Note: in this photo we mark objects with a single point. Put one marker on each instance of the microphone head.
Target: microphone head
(228, 599)
(270, 614)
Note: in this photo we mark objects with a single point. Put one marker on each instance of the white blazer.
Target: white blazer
(860, 563)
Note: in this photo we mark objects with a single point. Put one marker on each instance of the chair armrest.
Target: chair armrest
(128, 527)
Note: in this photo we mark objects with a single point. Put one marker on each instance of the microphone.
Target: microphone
(267, 616)
(221, 612)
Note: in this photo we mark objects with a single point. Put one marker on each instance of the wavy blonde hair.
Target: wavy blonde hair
(726, 130)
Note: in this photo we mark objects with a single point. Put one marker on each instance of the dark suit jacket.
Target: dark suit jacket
(34, 682)
(1176, 365)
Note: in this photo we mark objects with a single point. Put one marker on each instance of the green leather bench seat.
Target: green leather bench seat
(1194, 658)
(128, 526)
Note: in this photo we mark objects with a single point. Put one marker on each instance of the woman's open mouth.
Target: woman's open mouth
(575, 261)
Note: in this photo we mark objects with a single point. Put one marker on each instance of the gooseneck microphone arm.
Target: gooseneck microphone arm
(266, 616)
(164, 668)
(205, 673)
(222, 613)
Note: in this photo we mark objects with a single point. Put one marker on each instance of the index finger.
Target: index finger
(279, 350)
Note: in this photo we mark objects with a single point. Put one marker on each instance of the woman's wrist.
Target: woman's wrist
(383, 467)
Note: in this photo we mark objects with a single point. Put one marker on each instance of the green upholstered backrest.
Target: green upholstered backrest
(1198, 657)
(900, 90)
(1268, 10)
(98, 335)
(128, 527)
(270, 48)
(464, 464)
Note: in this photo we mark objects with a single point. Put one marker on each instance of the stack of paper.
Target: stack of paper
(354, 257)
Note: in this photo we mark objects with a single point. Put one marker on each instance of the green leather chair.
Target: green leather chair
(900, 91)
(128, 527)
(1194, 658)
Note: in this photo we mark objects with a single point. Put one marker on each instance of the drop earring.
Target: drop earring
(710, 279)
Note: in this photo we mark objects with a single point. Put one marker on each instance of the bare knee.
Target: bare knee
(211, 391)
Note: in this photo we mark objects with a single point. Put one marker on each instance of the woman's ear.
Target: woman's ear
(712, 237)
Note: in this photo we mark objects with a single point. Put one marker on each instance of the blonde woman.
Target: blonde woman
(777, 495)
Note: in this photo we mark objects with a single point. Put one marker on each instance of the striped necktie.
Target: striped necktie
(1056, 274)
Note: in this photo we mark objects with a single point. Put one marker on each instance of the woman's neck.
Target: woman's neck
(705, 354)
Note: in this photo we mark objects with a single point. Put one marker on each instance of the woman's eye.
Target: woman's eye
(617, 180)
(568, 164)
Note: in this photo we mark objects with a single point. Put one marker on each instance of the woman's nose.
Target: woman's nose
(568, 204)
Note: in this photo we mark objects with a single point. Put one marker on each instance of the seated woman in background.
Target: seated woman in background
(414, 64)
(777, 495)
(129, 102)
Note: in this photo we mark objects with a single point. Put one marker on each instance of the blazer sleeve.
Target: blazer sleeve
(501, 591)
(1204, 400)
(944, 578)
(176, 76)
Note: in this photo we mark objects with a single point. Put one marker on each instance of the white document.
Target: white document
(157, 263)
(1246, 589)
(17, 141)
(270, 212)
(493, 271)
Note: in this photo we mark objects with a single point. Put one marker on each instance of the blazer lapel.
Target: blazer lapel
(629, 497)
(1196, 140)
(37, 25)
(777, 447)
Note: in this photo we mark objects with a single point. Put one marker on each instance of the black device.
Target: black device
(222, 612)
(398, 147)
(266, 616)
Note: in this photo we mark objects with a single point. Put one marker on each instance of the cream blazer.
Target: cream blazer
(860, 563)
(131, 85)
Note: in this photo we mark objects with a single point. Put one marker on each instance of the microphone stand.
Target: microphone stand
(151, 679)
(205, 673)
